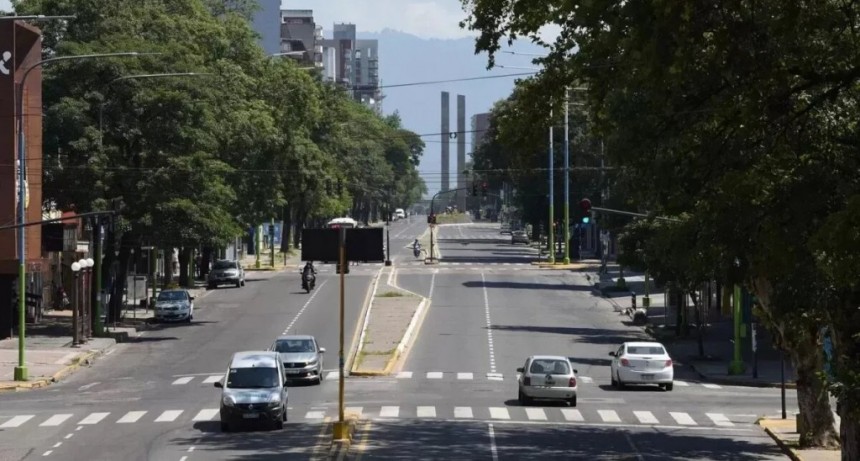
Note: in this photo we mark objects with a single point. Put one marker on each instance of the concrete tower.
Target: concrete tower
(461, 151)
(446, 159)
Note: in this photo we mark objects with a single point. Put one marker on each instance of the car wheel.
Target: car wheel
(279, 424)
(243, 283)
(669, 387)
(524, 400)
(572, 401)
(284, 416)
(614, 382)
(188, 320)
(238, 284)
(225, 427)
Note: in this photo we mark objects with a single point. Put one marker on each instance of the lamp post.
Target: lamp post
(76, 269)
(88, 306)
(21, 373)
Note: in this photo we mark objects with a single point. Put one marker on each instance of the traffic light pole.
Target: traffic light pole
(433, 214)
(551, 255)
(566, 179)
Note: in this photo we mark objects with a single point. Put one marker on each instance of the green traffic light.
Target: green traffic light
(585, 220)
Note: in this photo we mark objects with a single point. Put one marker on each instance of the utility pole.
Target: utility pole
(551, 241)
(567, 177)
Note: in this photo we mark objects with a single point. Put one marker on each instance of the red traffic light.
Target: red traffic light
(585, 205)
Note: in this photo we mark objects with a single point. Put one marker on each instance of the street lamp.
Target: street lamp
(88, 324)
(76, 268)
(21, 370)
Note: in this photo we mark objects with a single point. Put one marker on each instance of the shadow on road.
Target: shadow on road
(582, 335)
(295, 441)
(526, 286)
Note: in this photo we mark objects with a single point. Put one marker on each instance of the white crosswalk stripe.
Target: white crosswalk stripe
(206, 414)
(16, 421)
(495, 376)
(404, 375)
(93, 418)
(654, 416)
(212, 379)
(682, 418)
(332, 375)
(183, 380)
(720, 419)
(465, 376)
(646, 417)
(131, 417)
(168, 416)
(681, 383)
(712, 386)
(585, 379)
(434, 375)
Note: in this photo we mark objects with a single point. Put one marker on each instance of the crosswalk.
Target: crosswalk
(437, 376)
(387, 412)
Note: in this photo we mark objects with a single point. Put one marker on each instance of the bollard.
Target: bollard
(633, 301)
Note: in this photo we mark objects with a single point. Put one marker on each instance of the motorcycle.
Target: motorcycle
(308, 281)
(416, 249)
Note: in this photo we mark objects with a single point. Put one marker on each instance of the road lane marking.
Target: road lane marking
(307, 303)
(495, 376)
(168, 416)
(434, 375)
(499, 413)
(639, 456)
(16, 421)
(536, 414)
(47, 453)
(315, 414)
(389, 412)
(585, 379)
(212, 379)
(720, 419)
(206, 414)
(712, 386)
(426, 412)
(494, 451)
(68, 436)
(646, 417)
(131, 417)
(465, 376)
(572, 415)
(681, 383)
(489, 324)
(609, 416)
(57, 445)
(463, 412)
(362, 445)
(404, 375)
(56, 420)
(682, 418)
(87, 386)
(181, 381)
(93, 418)
(354, 411)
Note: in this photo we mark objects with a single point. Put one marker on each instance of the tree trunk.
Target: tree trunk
(116, 298)
(849, 430)
(286, 228)
(816, 417)
(678, 295)
(168, 267)
(205, 261)
(700, 337)
(184, 260)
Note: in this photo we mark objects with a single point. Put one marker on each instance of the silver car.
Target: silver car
(302, 356)
(226, 272)
(174, 305)
(547, 377)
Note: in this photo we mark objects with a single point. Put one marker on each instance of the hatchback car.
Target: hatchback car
(642, 363)
(254, 390)
(302, 357)
(547, 377)
(226, 272)
(519, 236)
(174, 305)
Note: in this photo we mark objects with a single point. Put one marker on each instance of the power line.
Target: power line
(466, 79)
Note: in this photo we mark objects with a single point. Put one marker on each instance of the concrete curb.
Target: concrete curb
(361, 328)
(84, 360)
(742, 382)
(781, 444)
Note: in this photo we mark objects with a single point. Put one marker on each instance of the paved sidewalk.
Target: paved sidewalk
(390, 324)
(784, 433)
(48, 353)
(718, 336)
(294, 258)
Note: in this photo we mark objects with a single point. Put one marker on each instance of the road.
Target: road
(454, 398)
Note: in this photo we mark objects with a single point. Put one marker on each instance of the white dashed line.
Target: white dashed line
(307, 303)
(489, 324)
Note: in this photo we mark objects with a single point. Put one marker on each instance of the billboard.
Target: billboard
(362, 245)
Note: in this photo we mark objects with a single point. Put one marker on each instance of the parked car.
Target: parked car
(226, 272)
(174, 305)
(254, 390)
(302, 357)
(519, 236)
(642, 363)
(547, 377)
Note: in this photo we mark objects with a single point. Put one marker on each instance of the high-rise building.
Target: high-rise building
(267, 23)
(480, 125)
(354, 64)
(299, 32)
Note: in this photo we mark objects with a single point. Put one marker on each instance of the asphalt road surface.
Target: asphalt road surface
(453, 398)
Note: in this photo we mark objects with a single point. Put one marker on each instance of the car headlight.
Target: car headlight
(312, 363)
(274, 400)
(228, 401)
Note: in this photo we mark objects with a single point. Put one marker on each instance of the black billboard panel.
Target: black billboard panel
(52, 237)
(362, 245)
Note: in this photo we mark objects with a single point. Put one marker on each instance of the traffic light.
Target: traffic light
(484, 189)
(431, 219)
(474, 189)
(585, 208)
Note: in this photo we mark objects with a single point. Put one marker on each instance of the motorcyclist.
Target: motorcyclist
(416, 248)
(309, 273)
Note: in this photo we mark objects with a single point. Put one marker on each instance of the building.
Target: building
(299, 32)
(267, 23)
(354, 64)
(480, 125)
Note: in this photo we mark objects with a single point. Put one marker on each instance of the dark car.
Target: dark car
(226, 272)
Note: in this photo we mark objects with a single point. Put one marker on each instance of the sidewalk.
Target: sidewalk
(294, 259)
(49, 354)
(717, 341)
(784, 433)
(389, 326)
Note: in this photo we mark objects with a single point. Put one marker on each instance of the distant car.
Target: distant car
(642, 363)
(226, 272)
(254, 389)
(302, 357)
(519, 236)
(547, 377)
(174, 305)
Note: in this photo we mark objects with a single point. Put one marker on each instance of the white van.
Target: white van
(254, 390)
(399, 213)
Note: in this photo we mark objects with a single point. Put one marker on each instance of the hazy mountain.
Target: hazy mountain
(405, 58)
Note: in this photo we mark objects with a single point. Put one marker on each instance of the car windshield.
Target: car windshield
(645, 350)
(224, 265)
(295, 345)
(252, 378)
(172, 296)
(553, 366)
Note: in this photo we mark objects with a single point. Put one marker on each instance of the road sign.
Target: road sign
(148, 247)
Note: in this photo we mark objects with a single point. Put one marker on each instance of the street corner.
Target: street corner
(54, 372)
(717, 373)
(19, 386)
(784, 434)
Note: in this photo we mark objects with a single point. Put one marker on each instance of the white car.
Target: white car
(642, 363)
(547, 377)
